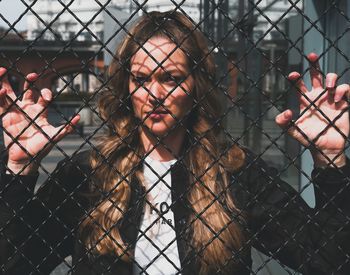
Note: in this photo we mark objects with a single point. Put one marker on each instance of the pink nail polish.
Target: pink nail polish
(329, 84)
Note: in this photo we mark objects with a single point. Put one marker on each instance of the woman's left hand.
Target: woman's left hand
(323, 124)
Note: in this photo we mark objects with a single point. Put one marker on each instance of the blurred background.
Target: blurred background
(255, 43)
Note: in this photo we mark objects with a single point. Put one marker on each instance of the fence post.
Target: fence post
(313, 42)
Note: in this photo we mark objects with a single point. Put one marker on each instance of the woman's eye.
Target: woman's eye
(140, 79)
(175, 80)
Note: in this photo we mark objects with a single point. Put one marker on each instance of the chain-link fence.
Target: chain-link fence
(134, 159)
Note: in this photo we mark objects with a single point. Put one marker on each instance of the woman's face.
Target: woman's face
(157, 96)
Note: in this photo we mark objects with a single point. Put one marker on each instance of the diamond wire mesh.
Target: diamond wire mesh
(238, 44)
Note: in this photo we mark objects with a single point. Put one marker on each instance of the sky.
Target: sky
(11, 10)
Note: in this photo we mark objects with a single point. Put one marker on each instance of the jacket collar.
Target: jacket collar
(130, 225)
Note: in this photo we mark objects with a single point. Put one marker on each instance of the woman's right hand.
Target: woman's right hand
(27, 132)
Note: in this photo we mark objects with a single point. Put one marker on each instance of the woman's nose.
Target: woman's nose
(156, 93)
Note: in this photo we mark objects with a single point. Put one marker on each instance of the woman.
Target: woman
(163, 192)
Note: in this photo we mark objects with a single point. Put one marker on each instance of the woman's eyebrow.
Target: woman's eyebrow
(168, 71)
(179, 68)
(138, 72)
(175, 69)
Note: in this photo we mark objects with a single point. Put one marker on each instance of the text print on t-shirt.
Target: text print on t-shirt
(158, 212)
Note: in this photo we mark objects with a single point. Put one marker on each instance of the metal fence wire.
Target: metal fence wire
(139, 137)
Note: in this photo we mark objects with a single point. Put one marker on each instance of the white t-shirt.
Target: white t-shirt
(156, 250)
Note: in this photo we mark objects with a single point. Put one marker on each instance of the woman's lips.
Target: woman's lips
(157, 114)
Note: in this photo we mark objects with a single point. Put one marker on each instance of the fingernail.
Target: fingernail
(337, 99)
(2, 71)
(293, 76)
(329, 83)
(312, 57)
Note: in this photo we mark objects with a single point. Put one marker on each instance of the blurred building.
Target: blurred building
(265, 14)
(80, 19)
(190, 7)
(252, 34)
(84, 19)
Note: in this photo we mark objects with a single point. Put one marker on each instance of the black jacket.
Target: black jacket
(38, 232)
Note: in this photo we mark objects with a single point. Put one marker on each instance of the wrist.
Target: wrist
(325, 160)
(21, 168)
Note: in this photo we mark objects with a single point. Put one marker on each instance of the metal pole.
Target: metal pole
(241, 48)
(205, 15)
(254, 70)
(313, 42)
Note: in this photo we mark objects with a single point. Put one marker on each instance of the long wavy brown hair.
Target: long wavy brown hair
(214, 235)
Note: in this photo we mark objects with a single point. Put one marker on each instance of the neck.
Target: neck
(163, 148)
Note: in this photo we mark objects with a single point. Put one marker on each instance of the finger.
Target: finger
(3, 100)
(340, 92)
(45, 97)
(315, 71)
(298, 82)
(284, 118)
(28, 92)
(331, 79)
(6, 84)
(3, 78)
(32, 77)
(2, 72)
(66, 129)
